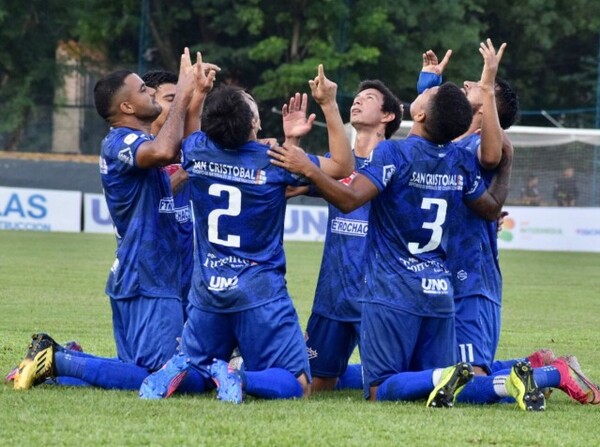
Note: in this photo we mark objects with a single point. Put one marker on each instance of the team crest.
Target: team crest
(388, 172)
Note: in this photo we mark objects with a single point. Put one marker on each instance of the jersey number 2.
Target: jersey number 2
(234, 207)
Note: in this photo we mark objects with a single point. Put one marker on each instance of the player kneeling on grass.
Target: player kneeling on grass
(239, 295)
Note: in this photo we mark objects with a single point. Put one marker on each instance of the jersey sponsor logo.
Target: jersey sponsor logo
(438, 182)
(233, 173)
(220, 283)
(213, 262)
(349, 227)
(434, 286)
(126, 156)
(166, 205)
(461, 275)
(416, 266)
(388, 172)
(103, 165)
(130, 138)
(182, 214)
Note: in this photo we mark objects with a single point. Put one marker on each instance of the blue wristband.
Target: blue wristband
(427, 80)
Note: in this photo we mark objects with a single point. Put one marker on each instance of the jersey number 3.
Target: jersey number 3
(435, 226)
(234, 207)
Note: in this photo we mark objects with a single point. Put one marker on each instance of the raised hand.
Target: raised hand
(290, 157)
(295, 122)
(491, 62)
(205, 75)
(431, 64)
(323, 90)
(187, 75)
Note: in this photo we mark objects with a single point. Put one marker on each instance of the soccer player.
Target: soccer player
(333, 328)
(474, 261)
(415, 186)
(165, 84)
(239, 295)
(144, 281)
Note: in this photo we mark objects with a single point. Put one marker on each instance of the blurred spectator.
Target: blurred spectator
(565, 188)
(530, 194)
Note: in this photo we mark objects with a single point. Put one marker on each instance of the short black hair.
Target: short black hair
(156, 78)
(449, 114)
(390, 104)
(106, 89)
(227, 117)
(507, 103)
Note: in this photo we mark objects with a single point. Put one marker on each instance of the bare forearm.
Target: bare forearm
(343, 197)
(491, 133)
(339, 146)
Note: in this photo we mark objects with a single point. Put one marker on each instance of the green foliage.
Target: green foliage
(55, 283)
(272, 47)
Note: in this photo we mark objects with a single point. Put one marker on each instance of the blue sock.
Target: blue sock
(406, 386)
(352, 378)
(100, 372)
(500, 365)
(480, 390)
(546, 377)
(194, 383)
(70, 381)
(272, 383)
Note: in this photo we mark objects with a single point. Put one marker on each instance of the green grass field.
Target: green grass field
(55, 283)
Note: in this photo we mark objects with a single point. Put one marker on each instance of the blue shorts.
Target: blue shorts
(146, 329)
(330, 344)
(268, 336)
(393, 341)
(477, 331)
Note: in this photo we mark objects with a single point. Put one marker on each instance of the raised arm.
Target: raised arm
(489, 205)
(193, 117)
(490, 149)
(344, 197)
(341, 163)
(432, 70)
(295, 122)
(165, 148)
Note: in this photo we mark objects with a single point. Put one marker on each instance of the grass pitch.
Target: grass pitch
(54, 282)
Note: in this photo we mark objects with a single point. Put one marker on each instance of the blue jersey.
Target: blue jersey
(141, 206)
(473, 252)
(420, 185)
(238, 201)
(342, 266)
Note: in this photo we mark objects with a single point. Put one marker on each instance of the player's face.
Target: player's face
(420, 104)
(366, 108)
(252, 103)
(472, 90)
(141, 99)
(164, 96)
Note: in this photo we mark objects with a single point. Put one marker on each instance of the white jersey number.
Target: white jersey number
(435, 226)
(233, 209)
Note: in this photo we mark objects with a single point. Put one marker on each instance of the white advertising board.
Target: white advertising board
(96, 218)
(27, 209)
(305, 223)
(551, 229)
